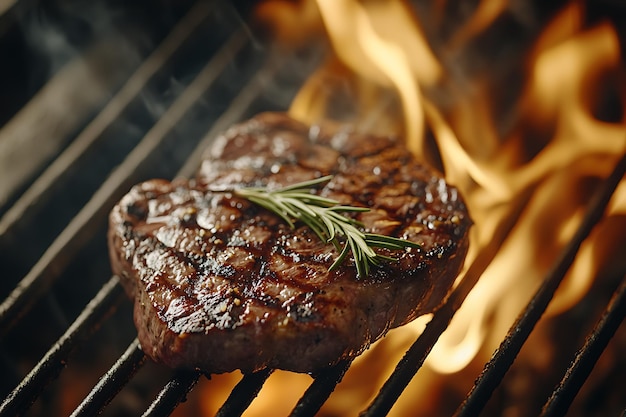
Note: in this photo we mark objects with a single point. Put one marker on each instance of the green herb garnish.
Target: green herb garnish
(324, 216)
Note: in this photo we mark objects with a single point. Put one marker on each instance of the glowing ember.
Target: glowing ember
(526, 168)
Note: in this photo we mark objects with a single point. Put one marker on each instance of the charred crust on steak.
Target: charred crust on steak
(221, 284)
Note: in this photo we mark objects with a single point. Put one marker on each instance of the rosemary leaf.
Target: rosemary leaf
(297, 203)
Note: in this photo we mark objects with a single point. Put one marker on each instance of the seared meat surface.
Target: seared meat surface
(221, 284)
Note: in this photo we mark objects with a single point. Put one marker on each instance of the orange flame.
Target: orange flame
(375, 39)
(526, 184)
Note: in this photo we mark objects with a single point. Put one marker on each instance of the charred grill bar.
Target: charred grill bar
(259, 71)
(588, 355)
(512, 344)
(55, 359)
(114, 380)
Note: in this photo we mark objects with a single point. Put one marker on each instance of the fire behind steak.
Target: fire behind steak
(221, 284)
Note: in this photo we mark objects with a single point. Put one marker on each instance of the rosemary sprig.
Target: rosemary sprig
(324, 216)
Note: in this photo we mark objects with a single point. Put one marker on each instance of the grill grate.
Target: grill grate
(113, 381)
(588, 355)
(173, 393)
(512, 344)
(54, 361)
(250, 89)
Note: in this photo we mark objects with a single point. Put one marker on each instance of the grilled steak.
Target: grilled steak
(221, 284)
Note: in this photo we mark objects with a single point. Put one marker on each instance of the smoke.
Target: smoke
(55, 33)
(68, 60)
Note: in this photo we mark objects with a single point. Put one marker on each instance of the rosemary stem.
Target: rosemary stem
(326, 218)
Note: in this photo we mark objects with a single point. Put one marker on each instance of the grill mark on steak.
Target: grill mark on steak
(221, 284)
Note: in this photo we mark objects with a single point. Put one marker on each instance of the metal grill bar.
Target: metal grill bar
(173, 393)
(319, 391)
(244, 393)
(45, 185)
(504, 356)
(113, 381)
(417, 353)
(236, 111)
(81, 228)
(55, 359)
(587, 356)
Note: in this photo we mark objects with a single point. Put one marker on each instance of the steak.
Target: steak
(220, 283)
